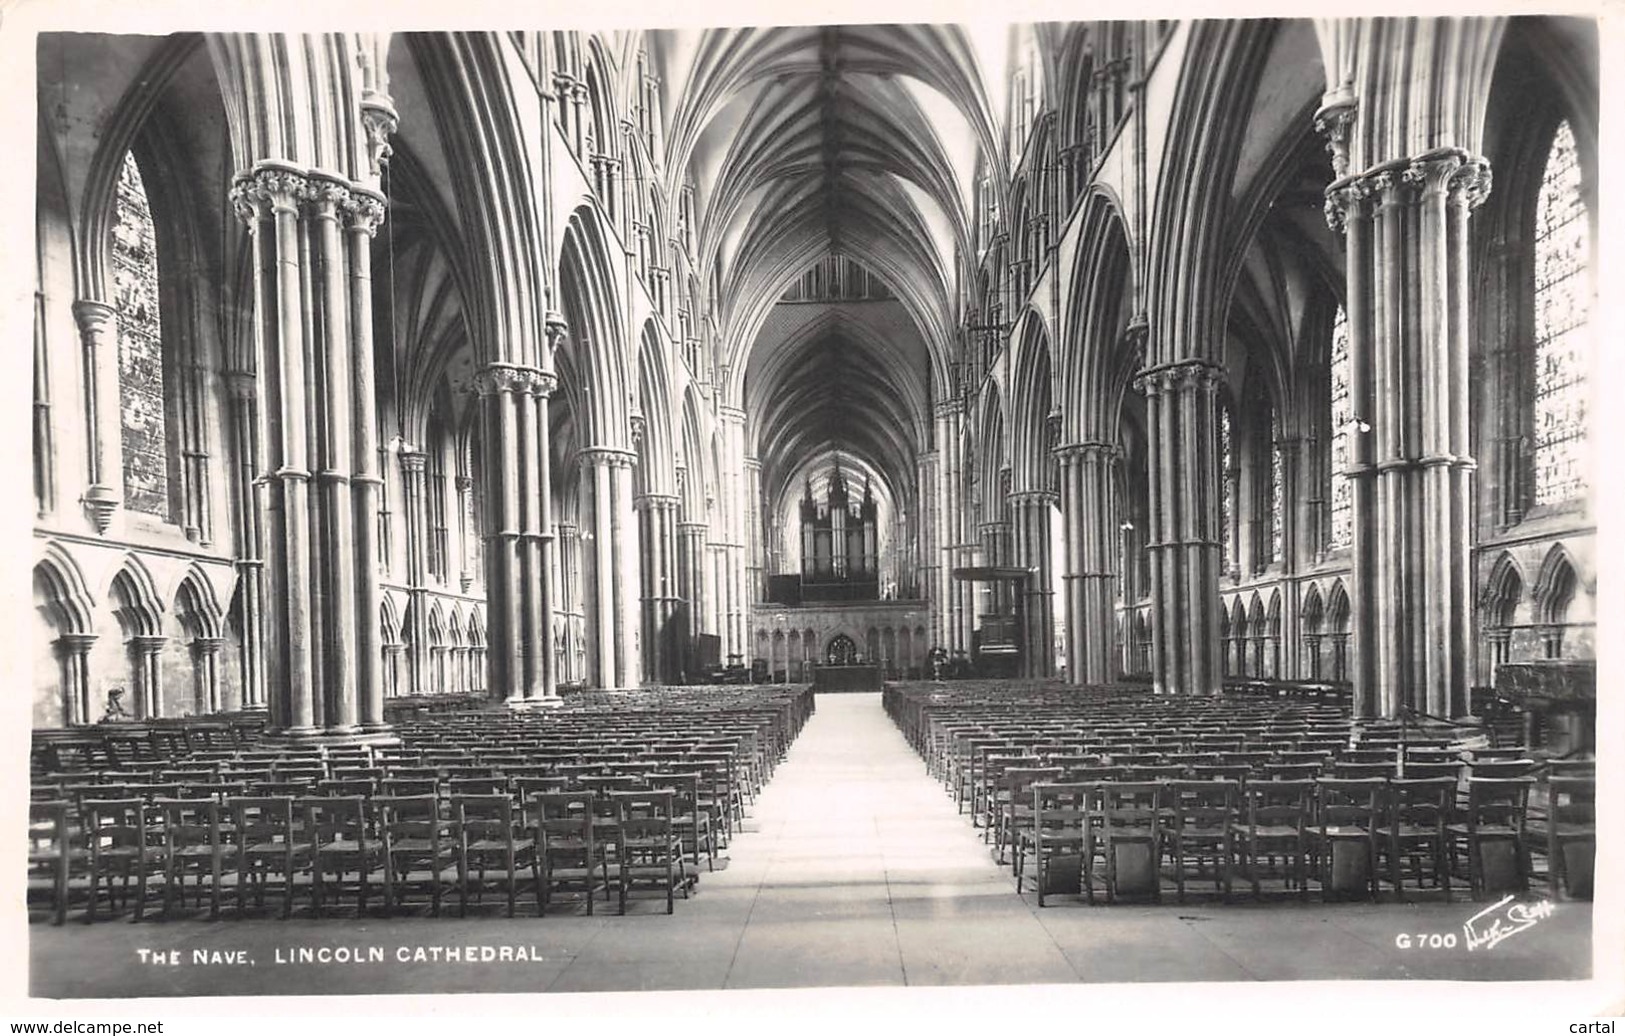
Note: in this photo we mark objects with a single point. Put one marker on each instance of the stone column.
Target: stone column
(518, 530)
(206, 674)
(691, 536)
(498, 384)
(414, 465)
(949, 604)
(74, 651)
(268, 199)
(98, 333)
(629, 647)
(657, 533)
(568, 544)
(243, 389)
(1406, 227)
(148, 689)
(1033, 509)
(538, 676)
(1089, 505)
(465, 509)
(608, 473)
(334, 594)
(1182, 423)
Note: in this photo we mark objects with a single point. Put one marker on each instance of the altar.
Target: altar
(845, 678)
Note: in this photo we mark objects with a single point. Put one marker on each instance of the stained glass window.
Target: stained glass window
(1562, 310)
(1342, 492)
(144, 427)
(1226, 504)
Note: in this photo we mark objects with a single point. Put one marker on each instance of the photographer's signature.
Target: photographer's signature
(1490, 926)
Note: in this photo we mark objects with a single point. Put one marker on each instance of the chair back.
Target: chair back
(1572, 800)
(1130, 806)
(483, 818)
(1420, 802)
(1498, 802)
(336, 819)
(1348, 802)
(1203, 804)
(262, 819)
(1277, 803)
(189, 822)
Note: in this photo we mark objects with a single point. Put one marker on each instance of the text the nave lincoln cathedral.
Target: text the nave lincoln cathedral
(515, 363)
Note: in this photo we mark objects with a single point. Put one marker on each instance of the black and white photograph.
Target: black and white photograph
(734, 504)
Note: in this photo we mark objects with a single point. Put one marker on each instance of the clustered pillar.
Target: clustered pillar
(1030, 527)
(1405, 224)
(518, 532)
(317, 444)
(606, 479)
(1089, 513)
(657, 532)
(1182, 425)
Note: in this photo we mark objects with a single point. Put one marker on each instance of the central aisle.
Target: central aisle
(851, 862)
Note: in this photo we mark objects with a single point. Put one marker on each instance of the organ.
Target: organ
(839, 549)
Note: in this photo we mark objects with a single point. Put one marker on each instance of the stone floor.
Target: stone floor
(855, 870)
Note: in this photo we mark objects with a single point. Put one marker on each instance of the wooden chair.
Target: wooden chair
(1348, 812)
(51, 852)
(570, 857)
(121, 845)
(194, 841)
(270, 840)
(1416, 812)
(691, 819)
(650, 856)
(1203, 817)
(344, 840)
(1060, 832)
(1272, 825)
(1496, 811)
(1131, 823)
(1502, 768)
(1016, 812)
(1571, 820)
(419, 850)
(492, 841)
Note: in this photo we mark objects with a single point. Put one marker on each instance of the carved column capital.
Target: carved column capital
(606, 456)
(413, 460)
(556, 330)
(380, 121)
(271, 187)
(75, 643)
(1470, 185)
(364, 210)
(94, 317)
(1333, 121)
(326, 195)
(1170, 377)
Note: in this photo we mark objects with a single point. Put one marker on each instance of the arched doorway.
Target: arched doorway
(841, 651)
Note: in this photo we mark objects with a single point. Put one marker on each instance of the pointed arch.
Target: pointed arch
(1503, 592)
(1337, 609)
(595, 346)
(1313, 610)
(60, 591)
(1032, 462)
(1554, 586)
(197, 608)
(135, 600)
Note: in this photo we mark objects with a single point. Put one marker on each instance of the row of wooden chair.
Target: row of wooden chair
(1235, 827)
(555, 842)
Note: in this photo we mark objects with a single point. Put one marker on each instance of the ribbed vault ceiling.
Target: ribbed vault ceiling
(860, 142)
